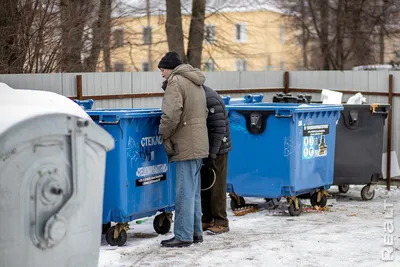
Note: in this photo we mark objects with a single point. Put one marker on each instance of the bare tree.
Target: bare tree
(106, 37)
(347, 32)
(100, 37)
(196, 33)
(305, 34)
(73, 18)
(11, 43)
(39, 36)
(173, 28)
(149, 51)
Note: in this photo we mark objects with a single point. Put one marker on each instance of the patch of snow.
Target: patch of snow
(351, 233)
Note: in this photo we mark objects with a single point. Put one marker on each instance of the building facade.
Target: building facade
(249, 40)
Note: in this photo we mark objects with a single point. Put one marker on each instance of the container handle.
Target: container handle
(109, 122)
(283, 116)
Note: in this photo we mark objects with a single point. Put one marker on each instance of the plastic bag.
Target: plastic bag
(356, 99)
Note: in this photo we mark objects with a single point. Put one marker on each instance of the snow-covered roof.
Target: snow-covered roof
(158, 7)
(377, 67)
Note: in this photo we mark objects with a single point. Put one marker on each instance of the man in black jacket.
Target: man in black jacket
(213, 201)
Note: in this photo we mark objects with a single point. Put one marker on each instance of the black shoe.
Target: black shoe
(173, 242)
(197, 239)
(167, 240)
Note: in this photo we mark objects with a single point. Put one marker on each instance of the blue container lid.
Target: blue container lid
(127, 112)
(293, 108)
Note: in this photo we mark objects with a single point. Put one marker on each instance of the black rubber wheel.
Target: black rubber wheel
(293, 211)
(120, 241)
(365, 195)
(321, 203)
(344, 188)
(165, 226)
(235, 205)
(105, 228)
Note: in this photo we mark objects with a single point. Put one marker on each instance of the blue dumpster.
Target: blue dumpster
(281, 150)
(138, 180)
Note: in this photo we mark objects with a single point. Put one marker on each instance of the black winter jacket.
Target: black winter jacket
(217, 124)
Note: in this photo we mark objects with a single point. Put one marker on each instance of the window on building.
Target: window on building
(241, 32)
(299, 37)
(209, 34)
(119, 67)
(282, 33)
(241, 65)
(209, 65)
(283, 65)
(299, 64)
(147, 35)
(397, 53)
(145, 66)
(118, 35)
(269, 62)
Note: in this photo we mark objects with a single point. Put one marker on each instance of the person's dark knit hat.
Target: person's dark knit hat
(171, 60)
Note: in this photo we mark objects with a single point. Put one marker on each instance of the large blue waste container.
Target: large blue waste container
(281, 150)
(138, 180)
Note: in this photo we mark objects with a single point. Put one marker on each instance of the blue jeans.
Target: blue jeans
(188, 200)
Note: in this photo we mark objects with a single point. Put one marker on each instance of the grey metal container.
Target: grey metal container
(52, 165)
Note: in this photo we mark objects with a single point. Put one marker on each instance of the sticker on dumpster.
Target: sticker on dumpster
(151, 180)
(151, 170)
(314, 141)
(309, 130)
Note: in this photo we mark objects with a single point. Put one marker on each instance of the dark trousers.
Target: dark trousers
(213, 201)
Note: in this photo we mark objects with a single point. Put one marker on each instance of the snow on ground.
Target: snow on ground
(351, 233)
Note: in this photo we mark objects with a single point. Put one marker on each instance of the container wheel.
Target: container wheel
(119, 241)
(314, 200)
(292, 208)
(163, 227)
(344, 188)
(273, 201)
(367, 195)
(234, 203)
(105, 228)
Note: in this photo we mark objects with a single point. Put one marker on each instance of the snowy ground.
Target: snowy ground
(351, 233)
